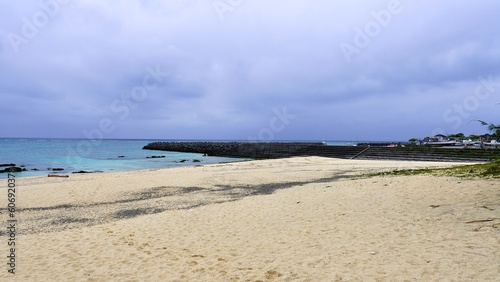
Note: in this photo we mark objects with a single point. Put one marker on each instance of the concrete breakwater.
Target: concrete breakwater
(294, 149)
(237, 149)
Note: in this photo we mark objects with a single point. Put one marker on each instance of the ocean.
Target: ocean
(40, 156)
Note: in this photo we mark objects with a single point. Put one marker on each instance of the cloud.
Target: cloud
(226, 76)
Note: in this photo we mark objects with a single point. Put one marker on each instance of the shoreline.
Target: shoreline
(284, 219)
(21, 171)
(181, 153)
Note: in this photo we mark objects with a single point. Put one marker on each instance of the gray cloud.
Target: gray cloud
(225, 77)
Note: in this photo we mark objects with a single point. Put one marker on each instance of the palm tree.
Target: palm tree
(493, 128)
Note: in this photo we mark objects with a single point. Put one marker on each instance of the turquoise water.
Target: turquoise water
(90, 155)
(39, 156)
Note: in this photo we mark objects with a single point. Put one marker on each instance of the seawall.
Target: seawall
(238, 149)
(292, 149)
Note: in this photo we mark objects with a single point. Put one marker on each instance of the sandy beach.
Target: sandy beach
(297, 219)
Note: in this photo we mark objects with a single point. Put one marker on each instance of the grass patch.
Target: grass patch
(486, 170)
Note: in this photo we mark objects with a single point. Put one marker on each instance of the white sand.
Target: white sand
(415, 228)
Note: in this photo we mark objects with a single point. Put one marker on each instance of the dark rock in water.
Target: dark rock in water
(57, 169)
(13, 169)
(85, 171)
(121, 156)
(22, 166)
(3, 165)
(196, 161)
(154, 157)
(183, 161)
(34, 169)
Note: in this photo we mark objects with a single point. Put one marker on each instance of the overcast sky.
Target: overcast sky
(248, 69)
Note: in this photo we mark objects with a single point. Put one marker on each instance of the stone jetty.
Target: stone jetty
(272, 150)
(238, 149)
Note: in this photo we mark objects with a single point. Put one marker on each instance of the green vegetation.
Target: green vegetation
(486, 170)
(457, 136)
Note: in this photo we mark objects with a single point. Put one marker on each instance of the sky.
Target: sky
(248, 70)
